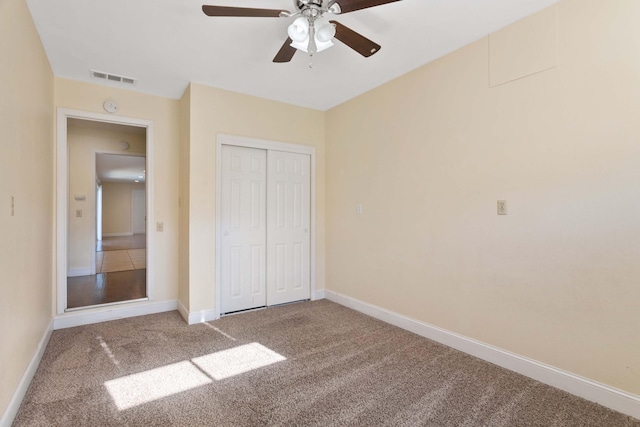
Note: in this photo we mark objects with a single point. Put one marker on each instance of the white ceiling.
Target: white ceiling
(120, 168)
(166, 44)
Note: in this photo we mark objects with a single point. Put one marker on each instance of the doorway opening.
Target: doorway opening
(103, 206)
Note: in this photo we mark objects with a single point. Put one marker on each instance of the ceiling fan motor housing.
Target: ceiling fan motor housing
(301, 4)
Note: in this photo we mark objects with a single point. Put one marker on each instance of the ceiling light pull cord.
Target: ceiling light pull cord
(312, 48)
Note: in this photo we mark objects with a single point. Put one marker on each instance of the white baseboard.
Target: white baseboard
(114, 312)
(183, 311)
(197, 316)
(78, 272)
(605, 395)
(318, 294)
(202, 316)
(125, 234)
(15, 402)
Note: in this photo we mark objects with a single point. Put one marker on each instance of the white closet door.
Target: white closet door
(288, 227)
(243, 226)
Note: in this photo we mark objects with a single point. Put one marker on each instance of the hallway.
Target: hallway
(121, 260)
(121, 274)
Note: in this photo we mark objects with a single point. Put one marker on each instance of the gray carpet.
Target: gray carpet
(313, 363)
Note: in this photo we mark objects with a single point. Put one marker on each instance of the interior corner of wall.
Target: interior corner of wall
(183, 309)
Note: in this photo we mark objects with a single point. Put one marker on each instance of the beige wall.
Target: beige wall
(26, 171)
(164, 113)
(83, 143)
(185, 135)
(117, 209)
(214, 111)
(429, 154)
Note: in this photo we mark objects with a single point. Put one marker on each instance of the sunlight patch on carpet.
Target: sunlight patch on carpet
(237, 360)
(158, 383)
(107, 350)
(219, 331)
(155, 384)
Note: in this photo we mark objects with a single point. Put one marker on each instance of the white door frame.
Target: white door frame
(62, 190)
(240, 141)
(98, 209)
(133, 190)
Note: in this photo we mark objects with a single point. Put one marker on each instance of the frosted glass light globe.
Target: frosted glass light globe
(325, 31)
(299, 30)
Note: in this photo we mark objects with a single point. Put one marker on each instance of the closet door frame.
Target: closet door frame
(240, 141)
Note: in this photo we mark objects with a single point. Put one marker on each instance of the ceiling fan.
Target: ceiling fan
(312, 31)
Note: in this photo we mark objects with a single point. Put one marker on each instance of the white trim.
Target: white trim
(113, 312)
(18, 395)
(98, 210)
(144, 190)
(602, 394)
(62, 185)
(241, 141)
(126, 234)
(108, 304)
(202, 316)
(319, 294)
(217, 305)
(183, 311)
(94, 216)
(196, 317)
(76, 272)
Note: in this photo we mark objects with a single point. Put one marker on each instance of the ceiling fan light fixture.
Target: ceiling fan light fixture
(300, 45)
(299, 30)
(335, 9)
(311, 32)
(325, 31)
(320, 45)
(304, 45)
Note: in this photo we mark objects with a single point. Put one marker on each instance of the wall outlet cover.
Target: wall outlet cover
(502, 207)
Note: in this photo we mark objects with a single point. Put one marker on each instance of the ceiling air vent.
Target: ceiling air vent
(112, 77)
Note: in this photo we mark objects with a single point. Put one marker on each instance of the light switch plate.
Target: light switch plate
(502, 207)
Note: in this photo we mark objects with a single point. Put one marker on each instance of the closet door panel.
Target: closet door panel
(288, 227)
(243, 227)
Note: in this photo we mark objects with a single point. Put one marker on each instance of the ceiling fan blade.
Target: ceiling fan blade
(286, 52)
(347, 6)
(241, 11)
(355, 41)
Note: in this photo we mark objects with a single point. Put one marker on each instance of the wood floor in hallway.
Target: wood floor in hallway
(121, 274)
(104, 288)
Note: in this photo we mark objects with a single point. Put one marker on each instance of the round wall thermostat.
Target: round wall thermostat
(110, 106)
